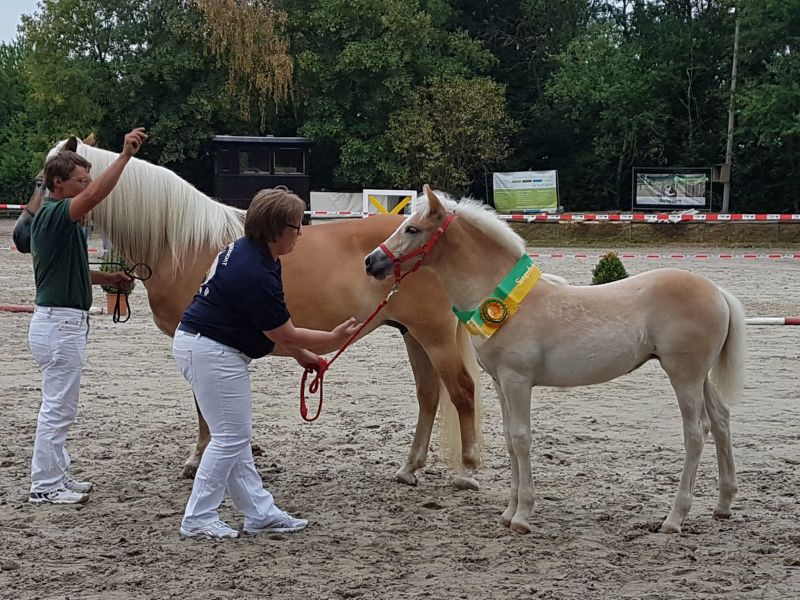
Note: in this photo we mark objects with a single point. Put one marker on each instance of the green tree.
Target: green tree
(644, 87)
(362, 65)
(527, 37)
(108, 65)
(609, 96)
(18, 161)
(450, 134)
(248, 37)
(767, 155)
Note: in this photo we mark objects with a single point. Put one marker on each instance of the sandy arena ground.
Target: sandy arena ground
(606, 463)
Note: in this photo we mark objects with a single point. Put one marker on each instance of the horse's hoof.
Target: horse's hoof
(508, 515)
(405, 477)
(668, 527)
(721, 515)
(520, 526)
(189, 471)
(466, 483)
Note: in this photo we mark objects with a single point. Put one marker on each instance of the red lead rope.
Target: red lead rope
(316, 383)
(324, 365)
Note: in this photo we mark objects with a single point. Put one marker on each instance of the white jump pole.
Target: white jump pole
(773, 321)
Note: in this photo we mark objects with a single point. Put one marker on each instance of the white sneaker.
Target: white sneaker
(78, 486)
(217, 530)
(283, 523)
(59, 496)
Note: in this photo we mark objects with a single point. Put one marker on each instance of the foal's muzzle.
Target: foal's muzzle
(377, 264)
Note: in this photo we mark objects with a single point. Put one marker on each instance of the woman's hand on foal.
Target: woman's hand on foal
(344, 330)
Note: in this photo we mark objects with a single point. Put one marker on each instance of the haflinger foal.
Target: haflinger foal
(563, 335)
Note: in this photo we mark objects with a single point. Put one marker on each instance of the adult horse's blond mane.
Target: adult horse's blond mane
(480, 216)
(160, 212)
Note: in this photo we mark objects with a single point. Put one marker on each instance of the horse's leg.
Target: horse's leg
(690, 400)
(427, 382)
(511, 510)
(517, 393)
(461, 388)
(720, 417)
(203, 438)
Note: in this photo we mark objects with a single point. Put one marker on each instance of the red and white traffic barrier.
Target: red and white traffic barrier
(579, 217)
(622, 255)
(654, 218)
(604, 217)
(671, 256)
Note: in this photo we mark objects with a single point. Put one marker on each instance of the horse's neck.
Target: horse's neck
(471, 265)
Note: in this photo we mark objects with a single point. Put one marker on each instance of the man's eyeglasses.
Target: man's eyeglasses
(295, 227)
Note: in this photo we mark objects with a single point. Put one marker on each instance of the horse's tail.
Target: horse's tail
(450, 429)
(727, 375)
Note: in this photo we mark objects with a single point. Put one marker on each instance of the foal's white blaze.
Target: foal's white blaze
(567, 335)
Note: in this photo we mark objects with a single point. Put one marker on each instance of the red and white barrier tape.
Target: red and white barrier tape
(579, 217)
(623, 255)
(28, 308)
(673, 256)
(606, 218)
(655, 218)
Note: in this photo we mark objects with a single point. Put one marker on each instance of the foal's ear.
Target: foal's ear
(89, 140)
(71, 144)
(435, 209)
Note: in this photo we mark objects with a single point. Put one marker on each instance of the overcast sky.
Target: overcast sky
(10, 11)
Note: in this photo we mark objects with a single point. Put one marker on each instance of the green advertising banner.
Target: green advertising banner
(526, 190)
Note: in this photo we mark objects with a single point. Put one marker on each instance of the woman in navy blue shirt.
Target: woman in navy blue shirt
(239, 314)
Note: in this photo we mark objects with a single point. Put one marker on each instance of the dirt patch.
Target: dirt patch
(606, 461)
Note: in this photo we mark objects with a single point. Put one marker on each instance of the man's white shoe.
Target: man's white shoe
(59, 496)
(81, 487)
(283, 523)
(218, 530)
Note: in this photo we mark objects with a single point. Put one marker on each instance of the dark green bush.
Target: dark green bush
(610, 268)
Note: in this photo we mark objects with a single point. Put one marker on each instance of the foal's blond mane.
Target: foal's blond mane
(152, 211)
(479, 215)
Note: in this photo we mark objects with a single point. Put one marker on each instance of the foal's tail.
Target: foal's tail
(727, 375)
(450, 429)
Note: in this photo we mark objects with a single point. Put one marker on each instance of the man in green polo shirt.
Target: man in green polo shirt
(60, 325)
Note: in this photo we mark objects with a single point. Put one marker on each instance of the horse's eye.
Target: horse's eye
(412, 230)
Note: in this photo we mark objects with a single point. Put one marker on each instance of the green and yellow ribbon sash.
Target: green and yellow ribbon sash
(504, 301)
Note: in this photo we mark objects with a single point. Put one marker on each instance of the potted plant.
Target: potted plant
(113, 262)
(610, 268)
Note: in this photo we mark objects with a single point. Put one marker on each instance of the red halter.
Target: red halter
(422, 251)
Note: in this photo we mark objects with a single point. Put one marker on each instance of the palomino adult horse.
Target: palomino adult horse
(562, 335)
(156, 218)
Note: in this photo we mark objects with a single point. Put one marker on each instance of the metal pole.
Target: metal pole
(726, 186)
